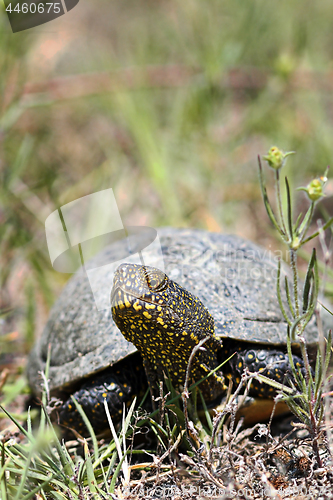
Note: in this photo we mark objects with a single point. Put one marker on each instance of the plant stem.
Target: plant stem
(314, 435)
(279, 201)
(305, 230)
(305, 359)
(314, 235)
(293, 264)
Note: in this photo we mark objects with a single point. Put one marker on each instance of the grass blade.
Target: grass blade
(308, 280)
(289, 211)
(268, 207)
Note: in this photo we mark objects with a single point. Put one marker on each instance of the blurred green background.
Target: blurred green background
(167, 102)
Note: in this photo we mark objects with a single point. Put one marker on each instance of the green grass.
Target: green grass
(174, 154)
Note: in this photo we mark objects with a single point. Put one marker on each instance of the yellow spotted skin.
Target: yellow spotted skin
(273, 363)
(165, 322)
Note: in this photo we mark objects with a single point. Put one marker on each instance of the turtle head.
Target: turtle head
(155, 313)
(142, 301)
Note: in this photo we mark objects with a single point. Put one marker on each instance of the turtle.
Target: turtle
(214, 286)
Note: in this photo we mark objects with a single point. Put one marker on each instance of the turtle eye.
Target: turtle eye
(156, 281)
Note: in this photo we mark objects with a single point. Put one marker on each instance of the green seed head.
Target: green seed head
(314, 190)
(276, 157)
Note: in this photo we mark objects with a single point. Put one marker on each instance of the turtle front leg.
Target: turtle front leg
(272, 363)
(117, 385)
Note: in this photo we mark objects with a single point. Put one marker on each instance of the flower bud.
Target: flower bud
(276, 158)
(314, 190)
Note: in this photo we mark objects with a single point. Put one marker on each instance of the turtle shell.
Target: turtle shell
(234, 278)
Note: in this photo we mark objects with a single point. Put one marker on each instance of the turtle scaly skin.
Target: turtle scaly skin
(118, 385)
(273, 363)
